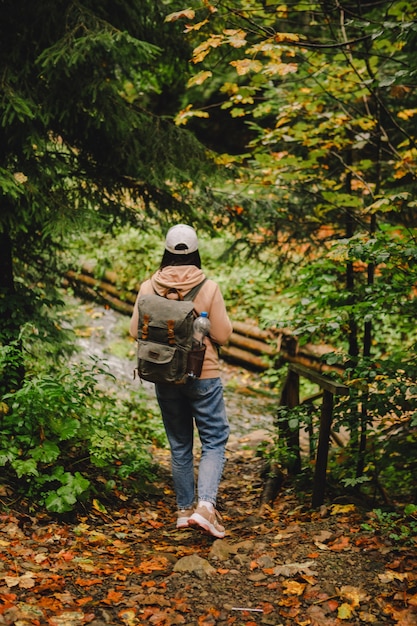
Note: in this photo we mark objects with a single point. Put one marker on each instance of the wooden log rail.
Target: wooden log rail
(291, 397)
(249, 346)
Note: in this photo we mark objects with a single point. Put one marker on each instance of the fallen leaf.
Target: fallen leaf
(113, 597)
(292, 569)
(332, 604)
(71, 618)
(344, 611)
(322, 536)
(353, 594)
(293, 587)
(341, 544)
(26, 581)
(389, 576)
(157, 563)
(340, 509)
(128, 617)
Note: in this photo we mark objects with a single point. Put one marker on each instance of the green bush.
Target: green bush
(60, 428)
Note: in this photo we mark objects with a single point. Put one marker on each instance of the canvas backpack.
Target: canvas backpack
(165, 333)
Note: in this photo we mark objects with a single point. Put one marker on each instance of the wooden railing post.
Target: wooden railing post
(290, 397)
(330, 389)
(319, 483)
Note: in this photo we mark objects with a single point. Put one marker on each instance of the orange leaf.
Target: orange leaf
(148, 583)
(293, 587)
(267, 607)
(157, 563)
(67, 556)
(342, 544)
(332, 604)
(113, 597)
(155, 524)
(82, 601)
(274, 585)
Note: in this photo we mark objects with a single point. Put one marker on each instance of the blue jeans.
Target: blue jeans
(202, 401)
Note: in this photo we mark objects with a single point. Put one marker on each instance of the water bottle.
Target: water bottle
(201, 328)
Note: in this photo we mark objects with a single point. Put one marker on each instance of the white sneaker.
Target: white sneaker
(208, 521)
(183, 516)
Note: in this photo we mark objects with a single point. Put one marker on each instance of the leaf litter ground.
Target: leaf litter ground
(279, 564)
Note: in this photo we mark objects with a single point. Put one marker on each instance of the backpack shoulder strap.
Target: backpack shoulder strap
(194, 291)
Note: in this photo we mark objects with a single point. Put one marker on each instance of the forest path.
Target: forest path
(281, 564)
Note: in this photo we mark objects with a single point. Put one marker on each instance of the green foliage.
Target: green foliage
(86, 133)
(400, 527)
(322, 306)
(58, 422)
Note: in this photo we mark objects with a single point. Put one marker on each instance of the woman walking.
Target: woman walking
(200, 400)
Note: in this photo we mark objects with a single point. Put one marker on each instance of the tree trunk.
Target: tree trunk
(6, 264)
(13, 372)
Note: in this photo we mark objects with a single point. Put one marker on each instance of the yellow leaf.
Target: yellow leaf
(199, 78)
(280, 69)
(183, 116)
(99, 506)
(344, 611)
(281, 37)
(407, 113)
(354, 595)
(190, 27)
(236, 37)
(4, 408)
(340, 509)
(244, 66)
(292, 587)
(188, 14)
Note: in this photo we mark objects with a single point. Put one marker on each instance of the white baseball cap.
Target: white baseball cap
(181, 239)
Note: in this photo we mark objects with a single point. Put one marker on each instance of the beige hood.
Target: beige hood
(182, 277)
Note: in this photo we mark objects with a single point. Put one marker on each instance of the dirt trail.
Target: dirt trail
(279, 565)
(129, 565)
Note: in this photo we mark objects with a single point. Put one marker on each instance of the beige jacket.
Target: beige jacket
(209, 298)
